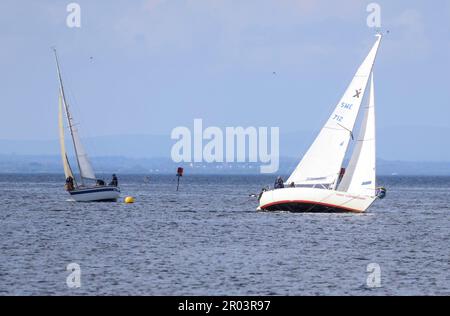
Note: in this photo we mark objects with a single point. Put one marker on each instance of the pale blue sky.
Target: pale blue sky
(158, 64)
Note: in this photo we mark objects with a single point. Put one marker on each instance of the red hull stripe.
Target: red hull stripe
(311, 202)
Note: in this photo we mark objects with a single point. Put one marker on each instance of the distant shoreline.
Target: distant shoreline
(106, 174)
(51, 164)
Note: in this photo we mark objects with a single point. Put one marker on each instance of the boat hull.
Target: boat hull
(95, 194)
(309, 200)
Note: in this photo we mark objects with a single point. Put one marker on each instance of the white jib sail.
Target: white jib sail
(322, 163)
(360, 177)
(86, 170)
(67, 170)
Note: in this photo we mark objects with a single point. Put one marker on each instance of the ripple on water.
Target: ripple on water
(208, 239)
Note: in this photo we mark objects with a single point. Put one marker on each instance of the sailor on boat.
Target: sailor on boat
(279, 183)
(69, 184)
(114, 182)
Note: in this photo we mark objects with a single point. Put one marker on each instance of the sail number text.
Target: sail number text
(346, 106)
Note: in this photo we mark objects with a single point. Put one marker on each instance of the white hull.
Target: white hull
(95, 194)
(309, 200)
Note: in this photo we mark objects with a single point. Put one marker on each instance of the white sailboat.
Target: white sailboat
(80, 192)
(319, 183)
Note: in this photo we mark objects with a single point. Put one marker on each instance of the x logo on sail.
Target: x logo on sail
(358, 93)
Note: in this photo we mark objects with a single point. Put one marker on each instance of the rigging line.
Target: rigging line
(334, 128)
(78, 112)
(365, 140)
(73, 101)
(351, 133)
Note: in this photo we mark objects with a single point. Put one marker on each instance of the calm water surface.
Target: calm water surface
(207, 239)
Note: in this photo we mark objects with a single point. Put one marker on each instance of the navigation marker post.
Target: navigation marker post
(179, 175)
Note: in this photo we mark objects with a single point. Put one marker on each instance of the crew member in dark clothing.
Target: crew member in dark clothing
(114, 182)
(69, 184)
(279, 184)
(100, 183)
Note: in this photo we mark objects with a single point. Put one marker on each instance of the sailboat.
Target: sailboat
(80, 192)
(320, 184)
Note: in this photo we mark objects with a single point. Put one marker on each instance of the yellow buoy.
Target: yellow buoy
(129, 200)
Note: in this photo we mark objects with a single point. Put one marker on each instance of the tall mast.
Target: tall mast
(69, 117)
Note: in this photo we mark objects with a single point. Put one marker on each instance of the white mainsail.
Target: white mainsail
(84, 165)
(360, 177)
(322, 163)
(67, 170)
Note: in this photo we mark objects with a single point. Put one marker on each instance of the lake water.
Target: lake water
(207, 239)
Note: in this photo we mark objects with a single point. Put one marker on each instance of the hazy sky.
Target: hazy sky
(158, 64)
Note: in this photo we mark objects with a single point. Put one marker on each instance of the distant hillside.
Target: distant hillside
(405, 151)
(401, 143)
(123, 165)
